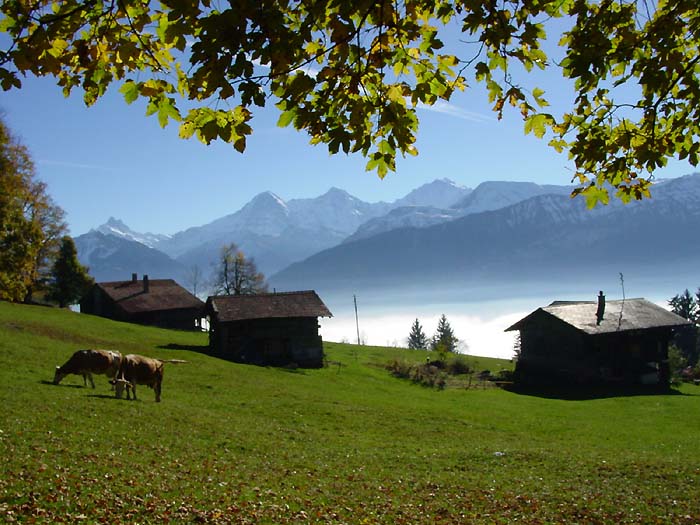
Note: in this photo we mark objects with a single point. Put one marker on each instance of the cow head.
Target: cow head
(119, 386)
(58, 376)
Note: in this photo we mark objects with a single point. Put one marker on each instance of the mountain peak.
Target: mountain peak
(268, 196)
(439, 193)
(116, 228)
(336, 193)
(493, 195)
(113, 220)
(264, 203)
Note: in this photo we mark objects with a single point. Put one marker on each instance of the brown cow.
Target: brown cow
(88, 362)
(140, 370)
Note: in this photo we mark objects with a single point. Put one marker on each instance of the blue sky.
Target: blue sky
(112, 160)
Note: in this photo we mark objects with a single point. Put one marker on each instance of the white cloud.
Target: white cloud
(74, 165)
(455, 111)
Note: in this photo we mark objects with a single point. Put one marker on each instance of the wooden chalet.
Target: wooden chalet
(155, 302)
(593, 342)
(267, 329)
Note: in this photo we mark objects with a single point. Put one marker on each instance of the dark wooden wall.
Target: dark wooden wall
(276, 342)
(556, 353)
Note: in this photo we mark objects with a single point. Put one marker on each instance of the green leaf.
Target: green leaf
(537, 124)
(595, 195)
(286, 118)
(166, 111)
(130, 90)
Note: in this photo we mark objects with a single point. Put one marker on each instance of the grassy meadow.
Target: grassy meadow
(348, 443)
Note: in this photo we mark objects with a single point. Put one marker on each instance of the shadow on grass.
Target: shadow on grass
(202, 349)
(205, 350)
(105, 396)
(582, 393)
(287, 369)
(51, 383)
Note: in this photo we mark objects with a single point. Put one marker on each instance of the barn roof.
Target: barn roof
(304, 303)
(162, 294)
(619, 316)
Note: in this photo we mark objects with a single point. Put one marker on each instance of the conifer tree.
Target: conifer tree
(444, 339)
(686, 337)
(417, 340)
(69, 279)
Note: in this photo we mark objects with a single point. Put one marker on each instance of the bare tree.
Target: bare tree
(235, 274)
(194, 278)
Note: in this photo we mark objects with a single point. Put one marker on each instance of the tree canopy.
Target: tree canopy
(351, 74)
(236, 274)
(30, 222)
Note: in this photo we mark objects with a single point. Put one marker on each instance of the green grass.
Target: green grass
(232, 443)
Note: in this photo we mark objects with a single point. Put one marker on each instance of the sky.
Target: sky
(112, 160)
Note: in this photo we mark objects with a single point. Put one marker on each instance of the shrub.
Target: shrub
(400, 369)
(429, 375)
(676, 364)
(459, 365)
(505, 375)
(426, 374)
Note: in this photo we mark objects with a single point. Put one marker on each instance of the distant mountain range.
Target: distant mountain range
(545, 237)
(438, 232)
(114, 258)
(274, 232)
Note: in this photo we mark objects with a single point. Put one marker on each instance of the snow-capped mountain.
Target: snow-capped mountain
(119, 229)
(542, 238)
(113, 258)
(274, 232)
(456, 202)
(336, 210)
(441, 194)
(278, 233)
(404, 217)
(494, 195)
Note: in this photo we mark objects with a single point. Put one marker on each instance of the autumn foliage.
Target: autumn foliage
(353, 74)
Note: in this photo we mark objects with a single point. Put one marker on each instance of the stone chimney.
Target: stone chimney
(146, 285)
(134, 277)
(601, 308)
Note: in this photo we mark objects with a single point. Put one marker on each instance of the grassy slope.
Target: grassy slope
(344, 444)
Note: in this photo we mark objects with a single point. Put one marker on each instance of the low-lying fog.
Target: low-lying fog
(478, 315)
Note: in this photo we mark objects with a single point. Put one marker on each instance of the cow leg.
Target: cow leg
(156, 387)
(89, 376)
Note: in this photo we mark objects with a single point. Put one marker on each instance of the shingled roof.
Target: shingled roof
(162, 294)
(304, 303)
(619, 316)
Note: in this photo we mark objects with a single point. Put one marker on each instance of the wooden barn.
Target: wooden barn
(621, 342)
(267, 329)
(155, 302)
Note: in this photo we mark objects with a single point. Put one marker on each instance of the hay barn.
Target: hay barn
(267, 329)
(154, 302)
(622, 342)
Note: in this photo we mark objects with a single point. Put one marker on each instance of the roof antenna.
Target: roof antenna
(622, 306)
